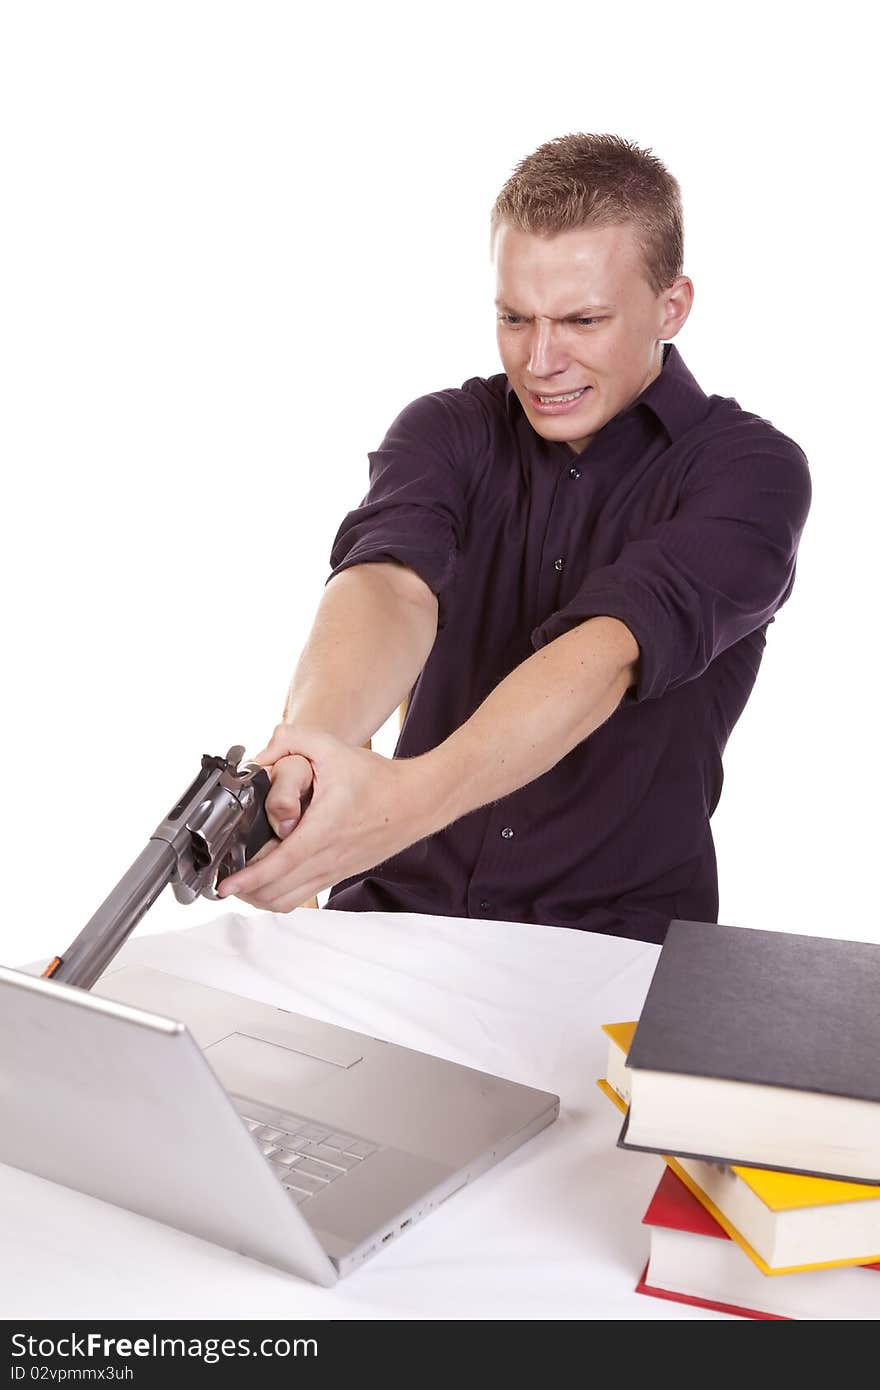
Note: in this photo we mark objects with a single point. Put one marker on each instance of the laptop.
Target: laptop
(304, 1145)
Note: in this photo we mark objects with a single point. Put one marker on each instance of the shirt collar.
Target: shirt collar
(674, 397)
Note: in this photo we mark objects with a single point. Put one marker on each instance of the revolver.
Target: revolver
(211, 831)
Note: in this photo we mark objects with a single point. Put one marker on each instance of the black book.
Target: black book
(760, 1048)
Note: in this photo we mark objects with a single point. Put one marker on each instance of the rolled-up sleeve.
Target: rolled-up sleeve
(715, 571)
(415, 510)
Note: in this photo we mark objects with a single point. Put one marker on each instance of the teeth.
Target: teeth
(553, 400)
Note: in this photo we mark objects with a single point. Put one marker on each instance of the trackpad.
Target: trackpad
(266, 1071)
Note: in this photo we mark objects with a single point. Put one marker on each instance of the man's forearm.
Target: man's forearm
(538, 714)
(372, 634)
(368, 808)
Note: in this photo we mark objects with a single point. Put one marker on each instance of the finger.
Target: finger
(300, 883)
(265, 849)
(286, 739)
(295, 893)
(291, 778)
(266, 757)
(285, 897)
(268, 848)
(289, 902)
(301, 896)
(277, 747)
(262, 873)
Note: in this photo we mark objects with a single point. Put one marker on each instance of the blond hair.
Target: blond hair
(597, 181)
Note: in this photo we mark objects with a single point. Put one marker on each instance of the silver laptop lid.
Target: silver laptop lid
(121, 1104)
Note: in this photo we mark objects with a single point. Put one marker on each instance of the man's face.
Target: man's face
(578, 318)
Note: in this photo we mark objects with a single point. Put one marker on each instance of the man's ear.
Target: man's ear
(677, 301)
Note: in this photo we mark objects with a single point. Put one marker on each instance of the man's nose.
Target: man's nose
(548, 356)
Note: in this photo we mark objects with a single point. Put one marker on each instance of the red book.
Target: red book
(693, 1260)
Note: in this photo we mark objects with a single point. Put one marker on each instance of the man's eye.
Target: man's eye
(585, 323)
(512, 320)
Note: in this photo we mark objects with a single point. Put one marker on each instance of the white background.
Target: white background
(237, 238)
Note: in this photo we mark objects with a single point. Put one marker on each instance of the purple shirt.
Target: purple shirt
(681, 518)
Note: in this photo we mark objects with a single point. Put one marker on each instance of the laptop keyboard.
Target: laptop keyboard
(306, 1156)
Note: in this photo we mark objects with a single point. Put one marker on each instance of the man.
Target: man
(569, 569)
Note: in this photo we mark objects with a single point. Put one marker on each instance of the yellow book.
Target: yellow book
(785, 1222)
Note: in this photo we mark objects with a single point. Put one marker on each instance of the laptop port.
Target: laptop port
(404, 1224)
(388, 1237)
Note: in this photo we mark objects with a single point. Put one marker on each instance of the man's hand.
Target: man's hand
(364, 808)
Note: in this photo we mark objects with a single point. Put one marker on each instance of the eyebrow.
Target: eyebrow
(575, 313)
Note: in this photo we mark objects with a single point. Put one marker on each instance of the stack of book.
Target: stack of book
(754, 1069)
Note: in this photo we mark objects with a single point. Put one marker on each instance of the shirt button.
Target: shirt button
(559, 564)
(507, 833)
(574, 473)
(484, 904)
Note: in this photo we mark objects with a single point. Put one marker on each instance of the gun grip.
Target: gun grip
(261, 831)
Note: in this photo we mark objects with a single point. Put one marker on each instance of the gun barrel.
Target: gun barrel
(218, 823)
(117, 917)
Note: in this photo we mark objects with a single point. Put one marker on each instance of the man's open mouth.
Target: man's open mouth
(569, 396)
(560, 400)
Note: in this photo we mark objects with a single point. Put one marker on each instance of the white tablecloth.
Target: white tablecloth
(553, 1232)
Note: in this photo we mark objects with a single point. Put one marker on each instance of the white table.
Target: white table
(553, 1232)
